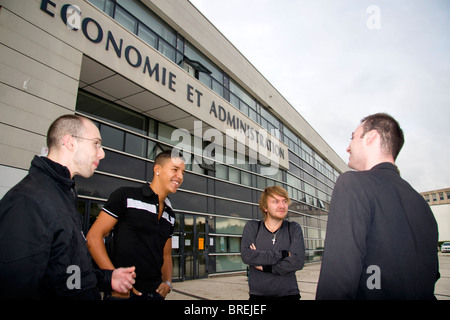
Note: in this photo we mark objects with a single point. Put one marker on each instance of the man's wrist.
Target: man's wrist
(169, 284)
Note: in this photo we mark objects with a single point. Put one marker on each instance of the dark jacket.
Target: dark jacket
(381, 240)
(278, 276)
(43, 253)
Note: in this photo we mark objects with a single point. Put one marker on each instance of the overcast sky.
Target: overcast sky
(337, 61)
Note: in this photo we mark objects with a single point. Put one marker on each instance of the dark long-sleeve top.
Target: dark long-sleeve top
(41, 239)
(278, 277)
(381, 240)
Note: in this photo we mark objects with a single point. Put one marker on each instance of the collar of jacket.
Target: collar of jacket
(386, 165)
(56, 171)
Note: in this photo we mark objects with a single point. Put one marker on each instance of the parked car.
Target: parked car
(445, 247)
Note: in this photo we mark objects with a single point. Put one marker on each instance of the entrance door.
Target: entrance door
(195, 247)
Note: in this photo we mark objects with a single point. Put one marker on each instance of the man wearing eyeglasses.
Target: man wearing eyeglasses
(43, 253)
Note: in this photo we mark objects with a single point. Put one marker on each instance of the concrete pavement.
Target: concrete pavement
(236, 287)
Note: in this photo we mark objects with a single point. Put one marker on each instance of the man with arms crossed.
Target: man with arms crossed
(42, 248)
(273, 248)
(381, 240)
(143, 222)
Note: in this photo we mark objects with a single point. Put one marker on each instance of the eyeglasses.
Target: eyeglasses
(97, 142)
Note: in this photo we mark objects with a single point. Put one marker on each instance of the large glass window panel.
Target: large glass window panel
(234, 175)
(135, 145)
(147, 17)
(195, 183)
(165, 133)
(205, 79)
(151, 150)
(231, 208)
(230, 226)
(105, 5)
(229, 263)
(189, 201)
(115, 114)
(234, 100)
(112, 137)
(232, 191)
(101, 186)
(147, 35)
(246, 178)
(261, 182)
(166, 49)
(123, 165)
(221, 171)
(125, 19)
(242, 94)
(194, 54)
(217, 87)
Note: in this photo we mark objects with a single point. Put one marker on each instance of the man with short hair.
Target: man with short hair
(143, 222)
(381, 240)
(43, 253)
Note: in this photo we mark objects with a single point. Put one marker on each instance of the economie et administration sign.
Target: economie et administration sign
(206, 106)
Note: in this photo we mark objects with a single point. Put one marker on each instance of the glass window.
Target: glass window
(125, 19)
(195, 183)
(230, 226)
(105, 5)
(189, 201)
(229, 263)
(123, 165)
(147, 35)
(112, 137)
(193, 54)
(111, 112)
(101, 186)
(231, 208)
(221, 171)
(246, 178)
(261, 182)
(166, 49)
(165, 133)
(228, 244)
(151, 20)
(231, 191)
(234, 175)
(241, 94)
(135, 145)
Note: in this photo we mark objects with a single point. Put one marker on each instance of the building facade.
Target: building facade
(156, 75)
(439, 201)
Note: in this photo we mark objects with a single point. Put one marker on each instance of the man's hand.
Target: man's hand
(123, 279)
(163, 289)
(253, 247)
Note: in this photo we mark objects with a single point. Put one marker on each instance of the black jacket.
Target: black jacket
(381, 240)
(43, 253)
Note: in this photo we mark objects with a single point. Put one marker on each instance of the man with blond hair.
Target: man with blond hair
(273, 248)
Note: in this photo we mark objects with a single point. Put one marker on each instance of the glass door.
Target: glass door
(194, 251)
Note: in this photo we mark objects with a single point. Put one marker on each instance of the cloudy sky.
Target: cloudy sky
(337, 61)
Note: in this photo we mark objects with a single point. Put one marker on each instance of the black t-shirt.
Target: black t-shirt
(139, 237)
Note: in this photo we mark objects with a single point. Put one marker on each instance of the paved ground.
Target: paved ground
(236, 287)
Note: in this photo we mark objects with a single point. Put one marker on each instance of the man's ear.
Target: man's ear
(68, 142)
(371, 137)
(156, 169)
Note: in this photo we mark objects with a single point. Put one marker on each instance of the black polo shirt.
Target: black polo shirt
(139, 237)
